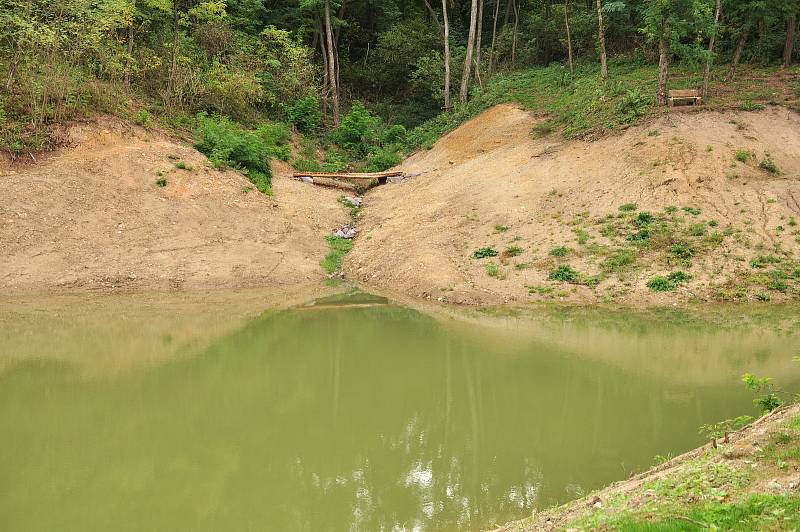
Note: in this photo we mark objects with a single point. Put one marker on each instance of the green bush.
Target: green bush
(679, 277)
(381, 159)
(358, 131)
(559, 251)
(769, 165)
(564, 274)
(228, 145)
(661, 284)
(304, 113)
(619, 261)
(484, 252)
(627, 207)
(633, 105)
(644, 218)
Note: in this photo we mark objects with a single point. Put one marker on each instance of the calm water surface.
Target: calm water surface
(126, 414)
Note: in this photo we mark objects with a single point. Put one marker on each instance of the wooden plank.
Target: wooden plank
(346, 175)
(684, 93)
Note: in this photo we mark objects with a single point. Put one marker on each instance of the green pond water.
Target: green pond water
(139, 414)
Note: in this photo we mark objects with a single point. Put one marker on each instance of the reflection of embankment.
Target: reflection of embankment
(103, 335)
(695, 352)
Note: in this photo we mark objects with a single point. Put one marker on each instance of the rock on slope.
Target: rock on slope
(489, 183)
(92, 217)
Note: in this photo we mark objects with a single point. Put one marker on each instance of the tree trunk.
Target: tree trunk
(737, 55)
(788, 48)
(478, 44)
(332, 81)
(569, 37)
(446, 56)
(710, 59)
(433, 15)
(663, 63)
(473, 18)
(324, 54)
(129, 58)
(174, 54)
(494, 36)
(601, 35)
(514, 38)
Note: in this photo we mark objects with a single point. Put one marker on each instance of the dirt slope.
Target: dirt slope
(491, 184)
(92, 217)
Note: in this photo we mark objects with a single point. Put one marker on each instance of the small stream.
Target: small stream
(131, 414)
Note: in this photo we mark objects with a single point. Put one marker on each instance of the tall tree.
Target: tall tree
(601, 36)
(332, 65)
(473, 18)
(663, 62)
(446, 56)
(478, 44)
(569, 37)
(710, 58)
(788, 47)
(494, 36)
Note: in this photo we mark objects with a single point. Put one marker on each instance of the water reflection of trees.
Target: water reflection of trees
(361, 419)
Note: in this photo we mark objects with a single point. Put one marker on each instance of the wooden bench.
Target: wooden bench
(685, 94)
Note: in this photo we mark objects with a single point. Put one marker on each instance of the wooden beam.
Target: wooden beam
(345, 175)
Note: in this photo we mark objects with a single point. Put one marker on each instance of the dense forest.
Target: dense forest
(360, 72)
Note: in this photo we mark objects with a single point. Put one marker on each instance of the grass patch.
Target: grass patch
(661, 284)
(559, 251)
(161, 182)
(493, 270)
(743, 155)
(339, 247)
(513, 251)
(627, 207)
(482, 253)
(768, 165)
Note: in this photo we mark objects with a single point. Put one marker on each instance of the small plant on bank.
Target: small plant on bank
(679, 277)
(627, 207)
(564, 274)
(482, 253)
(619, 261)
(670, 209)
(762, 261)
(513, 251)
(750, 105)
(500, 228)
(682, 251)
(694, 211)
(769, 165)
(644, 218)
(161, 181)
(339, 248)
(559, 251)
(743, 155)
(180, 165)
(661, 284)
(493, 270)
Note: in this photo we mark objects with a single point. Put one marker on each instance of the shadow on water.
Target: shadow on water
(362, 417)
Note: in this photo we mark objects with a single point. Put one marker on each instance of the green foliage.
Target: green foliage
(228, 145)
(161, 182)
(559, 251)
(619, 261)
(381, 159)
(358, 131)
(304, 113)
(768, 400)
(743, 155)
(493, 270)
(769, 165)
(564, 274)
(513, 251)
(644, 218)
(484, 252)
(339, 247)
(633, 105)
(694, 211)
(661, 284)
(627, 207)
(679, 277)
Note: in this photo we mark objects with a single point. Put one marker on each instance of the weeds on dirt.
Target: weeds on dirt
(769, 165)
(161, 182)
(493, 270)
(743, 155)
(339, 247)
(482, 253)
(559, 251)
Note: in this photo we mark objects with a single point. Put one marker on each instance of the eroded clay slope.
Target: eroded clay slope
(92, 217)
(490, 183)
